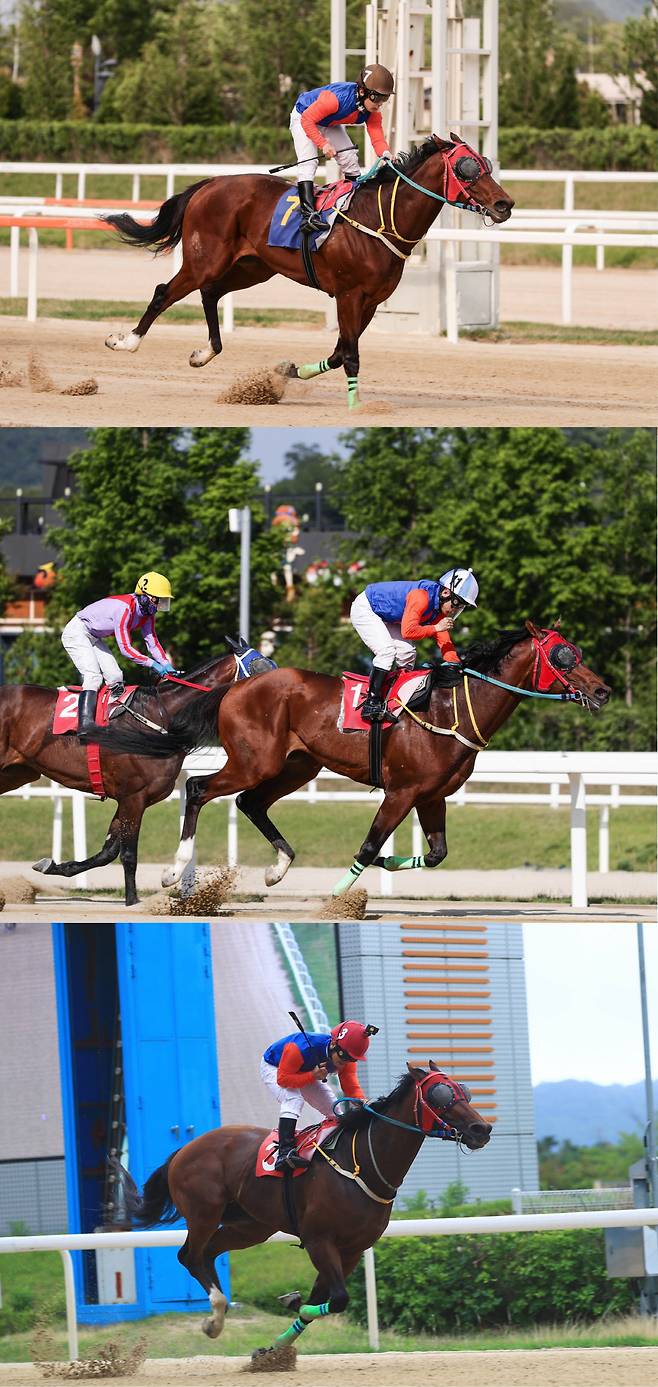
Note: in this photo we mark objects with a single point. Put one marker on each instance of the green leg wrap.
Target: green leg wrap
(316, 368)
(349, 879)
(352, 391)
(401, 864)
(307, 1314)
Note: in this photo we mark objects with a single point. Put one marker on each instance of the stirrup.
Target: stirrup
(289, 1160)
(373, 712)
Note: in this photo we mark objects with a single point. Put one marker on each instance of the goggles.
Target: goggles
(468, 169)
(342, 1054)
(375, 96)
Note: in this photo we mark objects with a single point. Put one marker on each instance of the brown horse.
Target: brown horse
(28, 749)
(212, 1184)
(223, 224)
(280, 731)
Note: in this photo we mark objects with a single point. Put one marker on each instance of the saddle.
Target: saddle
(324, 1134)
(410, 688)
(285, 226)
(65, 717)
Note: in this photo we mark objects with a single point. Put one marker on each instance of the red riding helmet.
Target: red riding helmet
(353, 1038)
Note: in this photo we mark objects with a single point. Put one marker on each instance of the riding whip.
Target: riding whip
(293, 1015)
(281, 167)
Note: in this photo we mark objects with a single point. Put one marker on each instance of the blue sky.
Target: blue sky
(584, 1001)
(269, 447)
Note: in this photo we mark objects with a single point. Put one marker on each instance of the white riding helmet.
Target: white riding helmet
(463, 583)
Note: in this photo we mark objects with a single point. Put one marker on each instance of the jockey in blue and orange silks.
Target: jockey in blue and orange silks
(317, 123)
(390, 616)
(84, 636)
(295, 1070)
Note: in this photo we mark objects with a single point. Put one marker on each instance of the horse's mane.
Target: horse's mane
(409, 160)
(355, 1118)
(486, 656)
(161, 690)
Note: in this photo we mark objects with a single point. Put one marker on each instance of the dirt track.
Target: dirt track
(589, 1367)
(409, 381)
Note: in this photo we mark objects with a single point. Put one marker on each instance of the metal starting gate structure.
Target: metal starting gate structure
(138, 1064)
(445, 63)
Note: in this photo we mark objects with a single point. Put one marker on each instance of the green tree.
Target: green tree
(321, 638)
(569, 1167)
(144, 501)
(309, 466)
(177, 78)
(641, 58)
(282, 49)
(527, 31)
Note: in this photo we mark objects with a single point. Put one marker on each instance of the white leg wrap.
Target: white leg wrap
(277, 872)
(118, 343)
(184, 855)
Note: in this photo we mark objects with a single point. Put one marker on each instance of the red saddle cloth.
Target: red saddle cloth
(325, 198)
(65, 718)
(397, 689)
(305, 1144)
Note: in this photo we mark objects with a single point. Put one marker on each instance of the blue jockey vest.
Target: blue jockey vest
(317, 1052)
(345, 92)
(388, 599)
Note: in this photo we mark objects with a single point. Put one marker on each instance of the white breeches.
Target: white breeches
(93, 660)
(317, 1095)
(308, 154)
(384, 638)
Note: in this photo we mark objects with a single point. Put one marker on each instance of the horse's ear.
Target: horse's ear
(415, 1071)
(435, 1067)
(442, 144)
(456, 139)
(534, 630)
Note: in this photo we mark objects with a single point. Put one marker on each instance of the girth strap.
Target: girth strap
(353, 1174)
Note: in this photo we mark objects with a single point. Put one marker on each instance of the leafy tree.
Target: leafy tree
(143, 501)
(283, 49)
(308, 465)
(320, 638)
(527, 30)
(570, 1167)
(641, 56)
(177, 77)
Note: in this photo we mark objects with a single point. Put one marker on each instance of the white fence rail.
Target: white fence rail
(531, 226)
(577, 779)
(67, 1243)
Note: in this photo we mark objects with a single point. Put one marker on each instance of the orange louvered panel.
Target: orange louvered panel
(444, 967)
(444, 953)
(442, 992)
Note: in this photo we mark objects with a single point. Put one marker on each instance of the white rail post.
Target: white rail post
(14, 249)
(232, 845)
(371, 1297)
(71, 1318)
(82, 184)
(80, 834)
(604, 838)
(416, 835)
(578, 841)
(135, 188)
(227, 313)
(58, 807)
(567, 268)
(59, 183)
(32, 257)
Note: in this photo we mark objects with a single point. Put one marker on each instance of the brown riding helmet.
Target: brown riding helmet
(376, 80)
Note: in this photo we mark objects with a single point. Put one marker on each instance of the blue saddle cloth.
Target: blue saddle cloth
(285, 226)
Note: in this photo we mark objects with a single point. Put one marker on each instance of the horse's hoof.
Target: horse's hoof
(287, 369)
(202, 356)
(211, 1328)
(119, 342)
(44, 865)
(170, 876)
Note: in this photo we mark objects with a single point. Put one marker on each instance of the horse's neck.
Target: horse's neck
(394, 1148)
(414, 210)
(493, 706)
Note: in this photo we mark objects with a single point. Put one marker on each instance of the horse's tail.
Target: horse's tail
(194, 725)
(165, 232)
(154, 1205)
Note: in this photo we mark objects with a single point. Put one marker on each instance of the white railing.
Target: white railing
(582, 774)
(399, 1228)
(317, 1016)
(598, 229)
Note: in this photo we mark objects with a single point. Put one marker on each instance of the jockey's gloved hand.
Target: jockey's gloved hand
(163, 667)
(388, 156)
(328, 151)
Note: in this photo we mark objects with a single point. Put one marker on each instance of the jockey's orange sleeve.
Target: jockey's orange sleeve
(288, 1074)
(326, 104)
(376, 132)
(349, 1082)
(412, 629)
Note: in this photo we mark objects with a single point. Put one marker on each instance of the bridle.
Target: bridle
(549, 664)
(427, 1123)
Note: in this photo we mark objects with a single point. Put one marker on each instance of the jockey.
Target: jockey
(318, 120)
(388, 616)
(83, 639)
(295, 1070)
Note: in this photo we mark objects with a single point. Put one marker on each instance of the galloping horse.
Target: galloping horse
(223, 224)
(28, 749)
(212, 1183)
(279, 731)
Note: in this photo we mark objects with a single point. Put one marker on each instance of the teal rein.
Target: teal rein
(461, 206)
(523, 693)
(448, 1135)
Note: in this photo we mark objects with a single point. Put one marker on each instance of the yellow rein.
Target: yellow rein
(352, 1174)
(454, 730)
(379, 232)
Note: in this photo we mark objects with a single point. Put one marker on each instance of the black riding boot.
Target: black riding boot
(311, 220)
(287, 1155)
(87, 712)
(374, 708)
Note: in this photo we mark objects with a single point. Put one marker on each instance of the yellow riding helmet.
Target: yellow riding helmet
(155, 585)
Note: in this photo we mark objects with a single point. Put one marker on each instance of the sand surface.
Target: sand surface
(405, 381)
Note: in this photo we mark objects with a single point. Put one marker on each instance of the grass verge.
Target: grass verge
(103, 310)
(555, 332)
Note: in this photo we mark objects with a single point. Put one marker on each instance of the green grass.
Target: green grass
(555, 332)
(258, 1275)
(100, 310)
(505, 836)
